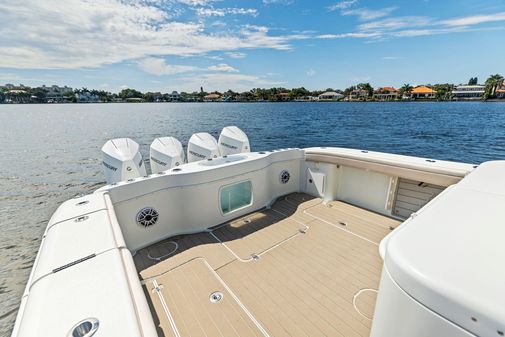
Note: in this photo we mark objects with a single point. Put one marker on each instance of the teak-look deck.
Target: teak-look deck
(300, 268)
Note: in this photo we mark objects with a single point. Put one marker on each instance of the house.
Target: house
(385, 94)
(330, 96)
(86, 97)
(245, 96)
(358, 95)
(17, 96)
(55, 94)
(174, 96)
(500, 92)
(283, 96)
(211, 97)
(468, 92)
(422, 92)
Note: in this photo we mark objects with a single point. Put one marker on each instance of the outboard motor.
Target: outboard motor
(202, 146)
(233, 140)
(165, 153)
(122, 160)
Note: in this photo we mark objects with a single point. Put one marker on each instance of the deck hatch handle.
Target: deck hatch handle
(73, 263)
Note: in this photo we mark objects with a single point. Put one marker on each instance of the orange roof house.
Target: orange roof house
(385, 94)
(422, 92)
(387, 89)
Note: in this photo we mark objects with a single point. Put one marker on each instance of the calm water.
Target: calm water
(50, 153)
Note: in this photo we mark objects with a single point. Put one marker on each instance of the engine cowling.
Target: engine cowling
(232, 140)
(202, 146)
(122, 160)
(165, 153)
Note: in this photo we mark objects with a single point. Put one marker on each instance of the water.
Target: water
(50, 153)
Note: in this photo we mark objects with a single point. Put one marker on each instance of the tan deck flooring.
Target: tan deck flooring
(301, 268)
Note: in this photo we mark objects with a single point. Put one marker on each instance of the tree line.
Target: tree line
(38, 95)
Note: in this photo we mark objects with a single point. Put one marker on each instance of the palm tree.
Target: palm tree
(366, 87)
(405, 89)
(493, 83)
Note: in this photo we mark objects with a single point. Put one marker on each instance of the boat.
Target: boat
(320, 241)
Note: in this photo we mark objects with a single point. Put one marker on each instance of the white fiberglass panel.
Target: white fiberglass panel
(96, 288)
(449, 257)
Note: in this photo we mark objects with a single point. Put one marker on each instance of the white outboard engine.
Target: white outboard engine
(122, 160)
(202, 146)
(165, 153)
(233, 140)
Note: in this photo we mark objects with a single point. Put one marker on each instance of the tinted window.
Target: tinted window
(235, 196)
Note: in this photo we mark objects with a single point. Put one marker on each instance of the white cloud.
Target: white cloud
(366, 14)
(357, 35)
(44, 34)
(236, 55)
(475, 19)
(223, 67)
(158, 66)
(342, 5)
(390, 58)
(196, 2)
(413, 26)
(311, 72)
(278, 2)
(207, 11)
(396, 23)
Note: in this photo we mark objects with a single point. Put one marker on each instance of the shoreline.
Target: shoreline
(263, 102)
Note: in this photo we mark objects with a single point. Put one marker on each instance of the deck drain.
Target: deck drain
(341, 223)
(391, 228)
(255, 257)
(247, 221)
(216, 296)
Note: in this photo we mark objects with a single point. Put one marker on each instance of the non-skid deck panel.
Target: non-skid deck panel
(187, 247)
(306, 287)
(369, 225)
(256, 233)
(322, 281)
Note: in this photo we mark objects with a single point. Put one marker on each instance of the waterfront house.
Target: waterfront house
(500, 92)
(283, 96)
(17, 96)
(358, 95)
(86, 97)
(468, 92)
(174, 96)
(422, 92)
(211, 97)
(385, 94)
(330, 96)
(56, 94)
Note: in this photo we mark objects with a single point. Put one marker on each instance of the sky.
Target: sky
(165, 45)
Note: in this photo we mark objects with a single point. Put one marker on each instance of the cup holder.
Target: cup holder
(85, 328)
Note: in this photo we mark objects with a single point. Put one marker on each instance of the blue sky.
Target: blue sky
(165, 45)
